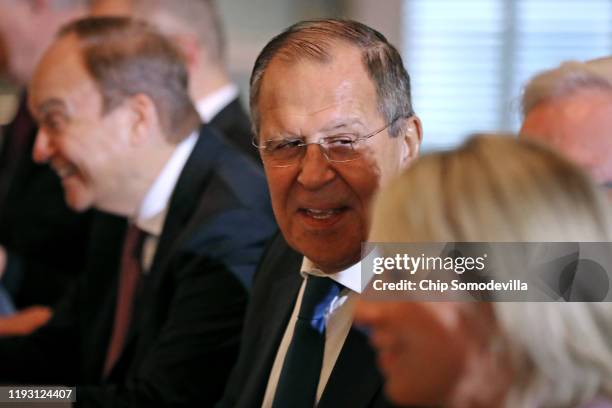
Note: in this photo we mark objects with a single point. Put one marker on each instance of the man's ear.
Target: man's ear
(144, 118)
(411, 140)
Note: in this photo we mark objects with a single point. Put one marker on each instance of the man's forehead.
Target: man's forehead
(62, 54)
(577, 126)
(338, 57)
(310, 87)
(60, 72)
(568, 118)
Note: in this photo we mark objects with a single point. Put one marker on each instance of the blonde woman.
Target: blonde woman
(510, 355)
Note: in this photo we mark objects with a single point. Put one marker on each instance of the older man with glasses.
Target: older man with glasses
(339, 85)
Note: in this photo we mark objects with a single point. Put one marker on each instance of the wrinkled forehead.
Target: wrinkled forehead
(577, 126)
(61, 74)
(310, 94)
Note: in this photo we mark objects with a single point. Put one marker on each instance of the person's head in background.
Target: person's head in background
(28, 27)
(106, 128)
(504, 354)
(570, 109)
(195, 27)
(339, 83)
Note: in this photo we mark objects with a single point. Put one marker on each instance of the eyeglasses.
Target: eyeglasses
(285, 152)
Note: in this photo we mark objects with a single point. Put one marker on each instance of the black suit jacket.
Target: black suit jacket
(355, 381)
(185, 328)
(46, 241)
(235, 124)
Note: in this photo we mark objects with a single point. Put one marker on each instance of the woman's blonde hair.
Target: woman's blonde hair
(500, 189)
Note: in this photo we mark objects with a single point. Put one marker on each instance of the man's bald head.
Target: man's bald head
(570, 109)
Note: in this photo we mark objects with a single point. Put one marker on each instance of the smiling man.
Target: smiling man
(41, 247)
(330, 101)
(182, 219)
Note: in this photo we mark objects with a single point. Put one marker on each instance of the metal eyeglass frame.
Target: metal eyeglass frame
(322, 144)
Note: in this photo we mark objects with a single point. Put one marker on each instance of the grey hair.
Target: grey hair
(314, 39)
(127, 57)
(569, 77)
(503, 189)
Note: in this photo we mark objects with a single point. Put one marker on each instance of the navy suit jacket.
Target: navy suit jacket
(187, 319)
(235, 124)
(355, 381)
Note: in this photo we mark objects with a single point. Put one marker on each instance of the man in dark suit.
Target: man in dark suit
(330, 101)
(156, 317)
(34, 263)
(196, 28)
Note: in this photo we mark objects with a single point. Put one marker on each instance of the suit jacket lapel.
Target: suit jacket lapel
(183, 202)
(227, 118)
(186, 195)
(235, 125)
(355, 380)
(283, 287)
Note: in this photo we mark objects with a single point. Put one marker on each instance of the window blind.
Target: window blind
(469, 59)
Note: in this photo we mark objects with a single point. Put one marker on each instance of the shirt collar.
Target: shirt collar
(209, 106)
(349, 277)
(152, 213)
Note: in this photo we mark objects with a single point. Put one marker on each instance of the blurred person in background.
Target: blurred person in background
(181, 221)
(569, 108)
(196, 28)
(42, 241)
(502, 354)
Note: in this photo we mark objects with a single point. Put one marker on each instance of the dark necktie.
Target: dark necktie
(128, 279)
(299, 378)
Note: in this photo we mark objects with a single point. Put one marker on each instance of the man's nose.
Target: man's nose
(44, 147)
(315, 169)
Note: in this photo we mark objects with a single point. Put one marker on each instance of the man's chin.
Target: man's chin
(332, 250)
(78, 203)
(332, 263)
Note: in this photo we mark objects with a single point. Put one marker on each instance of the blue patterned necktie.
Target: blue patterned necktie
(299, 378)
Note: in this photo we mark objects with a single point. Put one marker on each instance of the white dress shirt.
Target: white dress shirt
(338, 321)
(154, 207)
(209, 106)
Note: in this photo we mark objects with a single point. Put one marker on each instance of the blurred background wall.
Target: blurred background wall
(468, 59)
